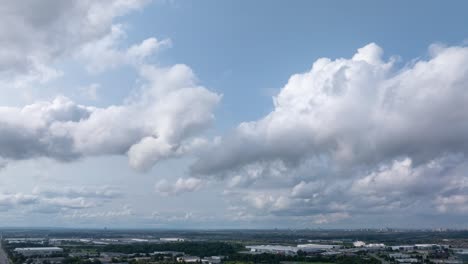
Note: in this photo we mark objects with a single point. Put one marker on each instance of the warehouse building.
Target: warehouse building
(317, 247)
(171, 239)
(38, 251)
(274, 249)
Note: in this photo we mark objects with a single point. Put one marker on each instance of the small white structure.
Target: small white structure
(139, 240)
(426, 246)
(403, 247)
(188, 259)
(375, 245)
(359, 243)
(171, 239)
(38, 251)
(212, 259)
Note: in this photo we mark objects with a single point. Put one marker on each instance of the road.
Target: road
(3, 255)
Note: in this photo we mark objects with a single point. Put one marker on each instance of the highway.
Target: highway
(3, 255)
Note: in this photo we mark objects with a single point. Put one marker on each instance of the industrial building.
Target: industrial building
(426, 246)
(317, 247)
(403, 247)
(171, 239)
(290, 250)
(189, 259)
(37, 240)
(287, 250)
(38, 251)
(194, 259)
(375, 245)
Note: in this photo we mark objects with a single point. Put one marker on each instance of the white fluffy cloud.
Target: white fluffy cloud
(350, 137)
(104, 53)
(358, 110)
(36, 33)
(154, 125)
(180, 186)
(355, 136)
(8, 200)
(452, 203)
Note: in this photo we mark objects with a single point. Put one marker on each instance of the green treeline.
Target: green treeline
(276, 259)
(201, 249)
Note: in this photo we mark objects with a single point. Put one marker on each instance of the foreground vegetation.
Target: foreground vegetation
(201, 249)
(277, 259)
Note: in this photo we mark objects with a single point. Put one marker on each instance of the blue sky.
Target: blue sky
(251, 48)
(136, 113)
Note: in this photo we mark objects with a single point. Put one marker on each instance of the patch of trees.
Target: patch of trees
(76, 260)
(278, 258)
(201, 249)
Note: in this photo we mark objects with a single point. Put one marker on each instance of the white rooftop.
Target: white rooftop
(38, 248)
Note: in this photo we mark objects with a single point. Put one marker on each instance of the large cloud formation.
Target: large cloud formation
(358, 110)
(355, 133)
(153, 125)
(35, 33)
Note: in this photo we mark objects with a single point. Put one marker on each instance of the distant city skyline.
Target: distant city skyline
(234, 114)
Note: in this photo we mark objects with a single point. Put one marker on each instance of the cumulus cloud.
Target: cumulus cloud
(9, 200)
(104, 53)
(34, 34)
(67, 203)
(306, 189)
(354, 136)
(358, 110)
(156, 124)
(180, 186)
(453, 203)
